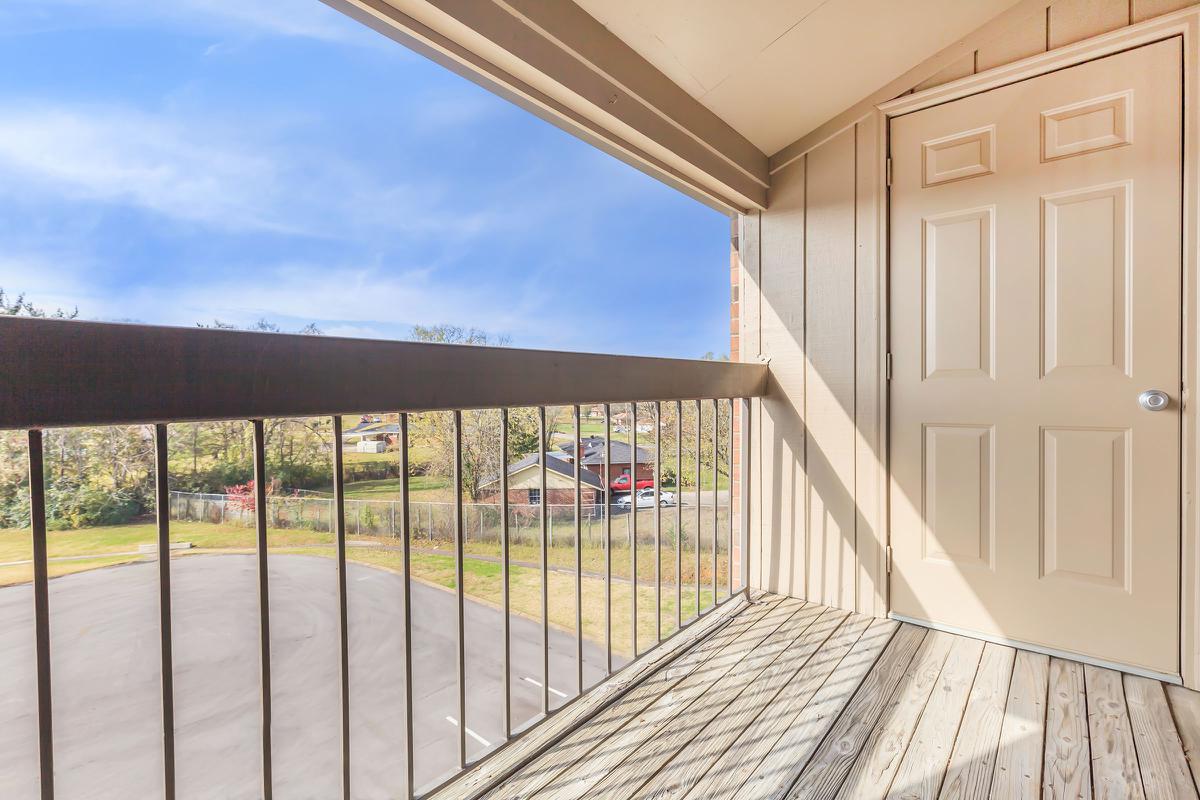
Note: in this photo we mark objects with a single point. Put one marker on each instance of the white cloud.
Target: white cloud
(344, 300)
(233, 176)
(241, 18)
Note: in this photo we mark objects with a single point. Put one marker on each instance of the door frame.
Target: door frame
(1186, 25)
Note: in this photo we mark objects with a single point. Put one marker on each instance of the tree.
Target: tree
(20, 307)
(480, 434)
(262, 326)
(456, 334)
(670, 440)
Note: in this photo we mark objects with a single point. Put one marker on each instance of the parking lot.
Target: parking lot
(106, 680)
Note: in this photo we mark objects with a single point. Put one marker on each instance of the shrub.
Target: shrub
(72, 506)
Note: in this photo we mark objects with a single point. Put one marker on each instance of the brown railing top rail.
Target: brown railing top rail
(58, 373)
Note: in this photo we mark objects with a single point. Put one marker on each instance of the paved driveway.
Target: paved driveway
(104, 640)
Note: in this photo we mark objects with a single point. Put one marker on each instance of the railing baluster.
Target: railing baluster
(162, 503)
(264, 600)
(658, 521)
(406, 560)
(339, 502)
(458, 592)
(699, 426)
(578, 557)
(716, 431)
(545, 507)
(633, 497)
(607, 539)
(504, 596)
(678, 515)
(729, 556)
(41, 613)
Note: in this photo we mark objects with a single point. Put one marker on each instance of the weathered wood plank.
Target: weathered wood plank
(1067, 771)
(830, 761)
(1160, 753)
(863, 666)
(1185, 710)
(581, 778)
(1115, 772)
(690, 764)
(732, 769)
(969, 776)
(683, 730)
(578, 744)
(873, 770)
(1018, 772)
(924, 764)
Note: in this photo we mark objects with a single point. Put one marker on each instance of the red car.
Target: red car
(621, 484)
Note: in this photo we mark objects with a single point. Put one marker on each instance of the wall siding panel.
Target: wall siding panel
(750, 343)
(868, 451)
(1146, 9)
(830, 377)
(782, 317)
(959, 69)
(1027, 38)
(1073, 20)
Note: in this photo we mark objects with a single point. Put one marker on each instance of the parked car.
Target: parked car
(645, 499)
(621, 483)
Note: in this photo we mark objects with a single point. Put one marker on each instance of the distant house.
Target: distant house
(372, 435)
(524, 483)
(619, 464)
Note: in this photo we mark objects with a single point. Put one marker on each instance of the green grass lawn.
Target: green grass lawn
(421, 488)
(113, 545)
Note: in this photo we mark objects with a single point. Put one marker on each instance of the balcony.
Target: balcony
(959, 551)
(493, 674)
(758, 695)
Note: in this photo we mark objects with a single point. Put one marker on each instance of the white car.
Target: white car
(645, 499)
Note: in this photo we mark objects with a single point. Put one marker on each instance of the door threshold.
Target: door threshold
(1037, 648)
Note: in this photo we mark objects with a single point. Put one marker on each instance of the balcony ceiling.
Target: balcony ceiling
(777, 73)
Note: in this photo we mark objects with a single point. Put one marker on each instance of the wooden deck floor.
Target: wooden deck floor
(795, 700)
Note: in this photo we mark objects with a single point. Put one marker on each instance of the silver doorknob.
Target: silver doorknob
(1153, 400)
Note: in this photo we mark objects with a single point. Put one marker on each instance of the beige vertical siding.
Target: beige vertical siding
(812, 304)
(1063, 23)
(818, 457)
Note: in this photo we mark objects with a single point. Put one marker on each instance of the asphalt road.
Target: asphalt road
(105, 655)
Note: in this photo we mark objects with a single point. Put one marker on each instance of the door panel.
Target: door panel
(1035, 292)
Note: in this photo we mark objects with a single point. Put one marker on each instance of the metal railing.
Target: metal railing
(64, 373)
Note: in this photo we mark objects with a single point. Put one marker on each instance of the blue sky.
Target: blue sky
(175, 162)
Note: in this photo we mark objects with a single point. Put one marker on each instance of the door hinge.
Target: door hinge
(887, 366)
(888, 170)
(887, 559)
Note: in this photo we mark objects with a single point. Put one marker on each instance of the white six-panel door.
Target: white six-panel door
(1035, 294)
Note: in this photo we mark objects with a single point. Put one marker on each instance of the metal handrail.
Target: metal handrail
(61, 373)
(69, 373)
